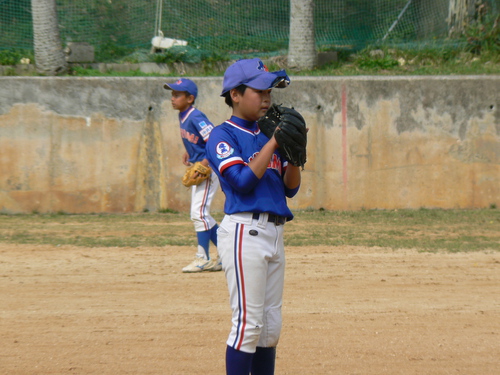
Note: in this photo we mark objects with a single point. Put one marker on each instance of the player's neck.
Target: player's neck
(243, 116)
(242, 122)
(184, 111)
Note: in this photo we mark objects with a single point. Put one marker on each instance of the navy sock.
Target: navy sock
(238, 362)
(263, 361)
(213, 234)
(204, 241)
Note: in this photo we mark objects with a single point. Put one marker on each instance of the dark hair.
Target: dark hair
(227, 96)
(188, 95)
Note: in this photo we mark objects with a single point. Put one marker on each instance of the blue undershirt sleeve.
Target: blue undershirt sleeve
(241, 178)
(290, 193)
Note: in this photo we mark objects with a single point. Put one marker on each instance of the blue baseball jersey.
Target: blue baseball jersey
(195, 130)
(237, 142)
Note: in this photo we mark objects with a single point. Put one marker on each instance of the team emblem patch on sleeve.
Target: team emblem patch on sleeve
(223, 150)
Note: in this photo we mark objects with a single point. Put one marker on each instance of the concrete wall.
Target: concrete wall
(83, 145)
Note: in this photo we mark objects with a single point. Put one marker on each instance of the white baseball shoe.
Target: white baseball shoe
(199, 264)
(214, 266)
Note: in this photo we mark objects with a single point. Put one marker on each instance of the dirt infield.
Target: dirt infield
(347, 310)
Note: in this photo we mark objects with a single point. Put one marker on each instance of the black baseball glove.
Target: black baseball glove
(289, 129)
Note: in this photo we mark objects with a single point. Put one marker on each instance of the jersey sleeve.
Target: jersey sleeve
(222, 150)
(203, 126)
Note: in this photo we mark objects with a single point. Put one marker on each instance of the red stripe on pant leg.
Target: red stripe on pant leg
(243, 313)
(203, 205)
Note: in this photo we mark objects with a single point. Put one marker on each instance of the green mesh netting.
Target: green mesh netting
(249, 27)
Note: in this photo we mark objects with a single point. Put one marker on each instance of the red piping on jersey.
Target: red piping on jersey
(223, 167)
(257, 131)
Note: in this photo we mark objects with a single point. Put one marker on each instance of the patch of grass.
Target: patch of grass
(393, 62)
(477, 53)
(80, 71)
(101, 230)
(187, 55)
(427, 230)
(377, 60)
(423, 229)
(167, 211)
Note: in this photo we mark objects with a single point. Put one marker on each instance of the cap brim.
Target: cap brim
(234, 77)
(281, 82)
(269, 80)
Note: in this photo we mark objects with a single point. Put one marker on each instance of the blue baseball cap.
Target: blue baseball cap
(253, 73)
(183, 84)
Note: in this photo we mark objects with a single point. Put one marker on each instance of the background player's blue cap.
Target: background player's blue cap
(183, 84)
(253, 73)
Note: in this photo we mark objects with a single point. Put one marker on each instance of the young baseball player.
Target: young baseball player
(195, 129)
(256, 181)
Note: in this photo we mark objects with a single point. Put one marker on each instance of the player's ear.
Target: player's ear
(235, 95)
(190, 99)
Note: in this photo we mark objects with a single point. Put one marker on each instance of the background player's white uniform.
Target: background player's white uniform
(195, 129)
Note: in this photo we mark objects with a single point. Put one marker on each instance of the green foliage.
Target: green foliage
(89, 72)
(121, 30)
(13, 56)
(136, 57)
(241, 44)
(111, 51)
(433, 54)
(10, 72)
(187, 54)
(483, 35)
(430, 59)
(85, 72)
(375, 59)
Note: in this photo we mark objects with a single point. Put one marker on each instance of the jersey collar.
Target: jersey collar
(245, 125)
(184, 115)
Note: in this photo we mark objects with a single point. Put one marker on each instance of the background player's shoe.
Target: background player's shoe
(199, 264)
(214, 265)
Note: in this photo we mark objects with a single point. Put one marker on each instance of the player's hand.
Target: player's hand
(185, 159)
(273, 141)
(196, 174)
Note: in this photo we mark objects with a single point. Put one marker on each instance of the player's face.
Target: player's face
(181, 101)
(253, 104)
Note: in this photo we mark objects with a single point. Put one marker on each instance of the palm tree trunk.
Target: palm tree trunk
(302, 47)
(49, 55)
(458, 16)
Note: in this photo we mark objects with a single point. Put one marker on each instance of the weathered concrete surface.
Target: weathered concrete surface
(113, 145)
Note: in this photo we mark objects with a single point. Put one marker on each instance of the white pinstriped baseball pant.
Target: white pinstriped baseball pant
(253, 258)
(201, 200)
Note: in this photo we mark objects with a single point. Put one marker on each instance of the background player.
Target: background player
(256, 181)
(195, 130)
